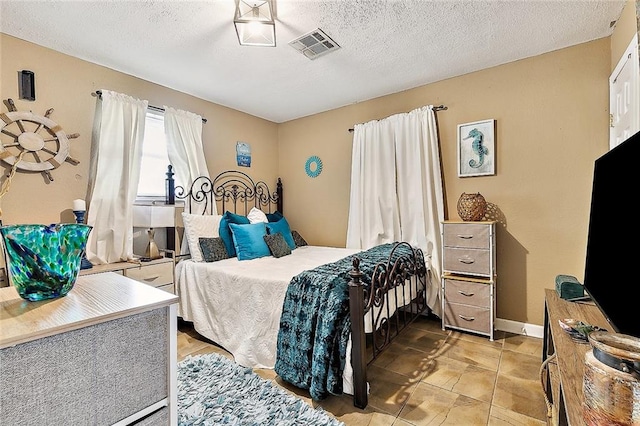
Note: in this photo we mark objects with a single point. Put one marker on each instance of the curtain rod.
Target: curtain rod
(435, 108)
(98, 93)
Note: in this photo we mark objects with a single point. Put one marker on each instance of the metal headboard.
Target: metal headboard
(236, 192)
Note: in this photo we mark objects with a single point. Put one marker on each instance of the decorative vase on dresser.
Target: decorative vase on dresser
(43, 260)
(469, 276)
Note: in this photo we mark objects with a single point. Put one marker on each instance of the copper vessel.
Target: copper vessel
(611, 383)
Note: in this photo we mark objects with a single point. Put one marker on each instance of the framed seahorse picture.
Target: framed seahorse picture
(476, 148)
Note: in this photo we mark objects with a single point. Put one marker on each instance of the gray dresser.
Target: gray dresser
(469, 276)
(104, 354)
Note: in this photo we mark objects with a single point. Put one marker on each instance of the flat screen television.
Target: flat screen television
(612, 276)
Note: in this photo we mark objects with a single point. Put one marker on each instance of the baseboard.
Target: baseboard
(517, 327)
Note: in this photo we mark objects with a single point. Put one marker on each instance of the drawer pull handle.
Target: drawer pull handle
(466, 260)
(466, 318)
(465, 237)
(465, 294)
(151, 279)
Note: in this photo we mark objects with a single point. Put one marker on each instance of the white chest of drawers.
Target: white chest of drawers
(469, 276)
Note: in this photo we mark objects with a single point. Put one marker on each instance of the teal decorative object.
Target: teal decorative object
(477, 147)
(44, 260)
(569, 288)
(313, 166)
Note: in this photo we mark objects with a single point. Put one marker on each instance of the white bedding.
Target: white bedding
(237, 304)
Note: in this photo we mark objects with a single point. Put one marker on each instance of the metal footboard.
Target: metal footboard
(379, 312)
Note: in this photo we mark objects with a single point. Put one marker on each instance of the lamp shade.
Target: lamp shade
(153, 216)
(254, 23)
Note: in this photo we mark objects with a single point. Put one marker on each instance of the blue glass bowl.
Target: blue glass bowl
(44, 260)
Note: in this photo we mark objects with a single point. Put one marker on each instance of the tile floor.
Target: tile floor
(432, 377)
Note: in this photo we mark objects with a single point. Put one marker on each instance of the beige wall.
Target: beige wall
(552, 115)
(626, 28)
(65, 84)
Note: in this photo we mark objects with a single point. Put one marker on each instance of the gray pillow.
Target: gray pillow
(213, 249)
(277, 245)
(297, 238)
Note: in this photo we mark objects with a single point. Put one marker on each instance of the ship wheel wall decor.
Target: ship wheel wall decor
(33, 142)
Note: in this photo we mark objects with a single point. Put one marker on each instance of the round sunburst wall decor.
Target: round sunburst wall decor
(313, 166)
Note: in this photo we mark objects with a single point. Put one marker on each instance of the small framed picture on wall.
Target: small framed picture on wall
(243, 154)
(476, 149)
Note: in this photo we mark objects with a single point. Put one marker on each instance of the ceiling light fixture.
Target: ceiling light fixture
(254, 23)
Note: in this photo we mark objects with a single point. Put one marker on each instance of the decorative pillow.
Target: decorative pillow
(256, 215)
(225, 232)
(274, 217)
(213, 249)
(196, 226)
(277, 245)
(282, 226)
(248, 241)
(297, 238)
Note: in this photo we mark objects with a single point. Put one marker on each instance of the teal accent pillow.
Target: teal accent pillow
(274, 217)
(225, 232)
(277, 245)
(213, 249)
(282, 226)
(248, 240)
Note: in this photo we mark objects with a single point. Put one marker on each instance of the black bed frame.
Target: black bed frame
(234, 190)
(237, 192)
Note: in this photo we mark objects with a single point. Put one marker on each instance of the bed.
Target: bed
(262, 310)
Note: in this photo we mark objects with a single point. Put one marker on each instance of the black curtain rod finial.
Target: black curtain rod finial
(435, 108)
(98, 93)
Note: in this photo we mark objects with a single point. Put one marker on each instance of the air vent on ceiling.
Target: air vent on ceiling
(314, 44)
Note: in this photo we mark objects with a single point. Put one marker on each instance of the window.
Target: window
(155, 159)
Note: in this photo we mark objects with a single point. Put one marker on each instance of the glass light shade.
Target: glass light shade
(44, 260)
(254, 23)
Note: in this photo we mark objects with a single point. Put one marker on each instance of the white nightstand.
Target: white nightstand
(157, 273)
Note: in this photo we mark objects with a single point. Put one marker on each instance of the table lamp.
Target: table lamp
(150, 217)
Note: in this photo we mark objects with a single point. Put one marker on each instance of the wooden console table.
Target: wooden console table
(563, 381)
(104, 354)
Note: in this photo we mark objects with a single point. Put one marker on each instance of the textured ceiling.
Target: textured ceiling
(386, 45)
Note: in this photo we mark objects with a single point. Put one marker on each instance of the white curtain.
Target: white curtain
(115, 171)
(396, 188)
(184, 146)
(373, 214)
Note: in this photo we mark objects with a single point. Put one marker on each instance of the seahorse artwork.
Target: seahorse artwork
(477, 147)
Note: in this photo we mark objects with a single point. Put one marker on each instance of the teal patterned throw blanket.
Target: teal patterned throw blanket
(315, 323)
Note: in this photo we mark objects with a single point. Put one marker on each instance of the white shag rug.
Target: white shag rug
(213, 390)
